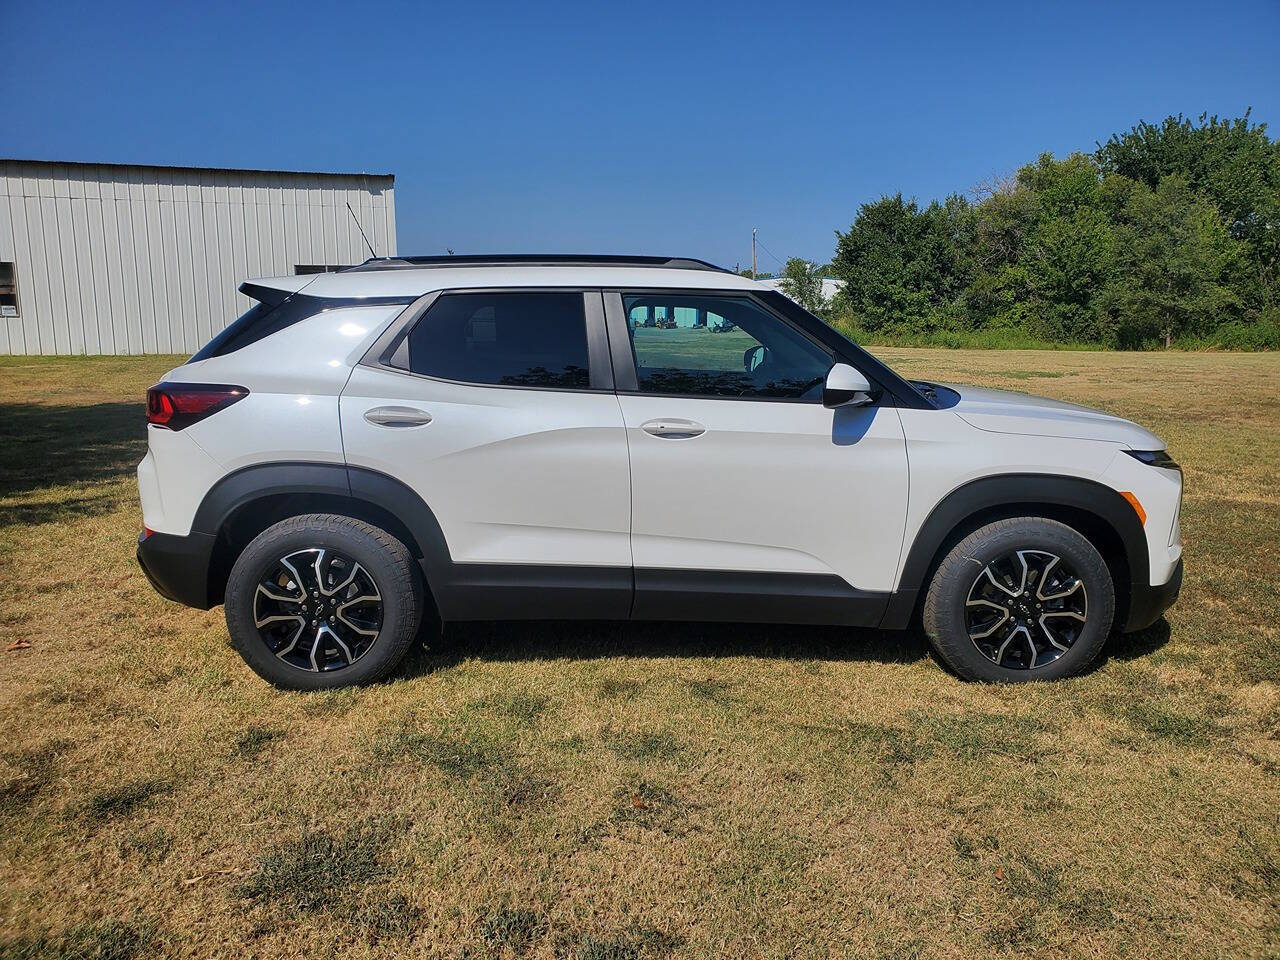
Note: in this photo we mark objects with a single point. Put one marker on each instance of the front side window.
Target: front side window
(505, 339)
(701, 345)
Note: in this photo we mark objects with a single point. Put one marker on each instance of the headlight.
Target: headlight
(1155, 458)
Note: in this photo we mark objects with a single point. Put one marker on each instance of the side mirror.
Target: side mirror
(752, 357)
(845, 387)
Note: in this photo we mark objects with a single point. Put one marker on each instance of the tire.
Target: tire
(1036, 632)
(354, 590)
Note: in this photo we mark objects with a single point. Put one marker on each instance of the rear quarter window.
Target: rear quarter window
(263, 319)
(259, 321)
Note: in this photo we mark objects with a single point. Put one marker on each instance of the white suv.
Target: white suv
(422, 440)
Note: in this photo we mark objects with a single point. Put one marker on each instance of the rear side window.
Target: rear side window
(259, 321)
(274, 314)
(506, 339)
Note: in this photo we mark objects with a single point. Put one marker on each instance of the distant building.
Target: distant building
(114, 258)
(829, 286)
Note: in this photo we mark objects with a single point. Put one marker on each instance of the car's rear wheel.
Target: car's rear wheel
(1018, 600)
(322, 601)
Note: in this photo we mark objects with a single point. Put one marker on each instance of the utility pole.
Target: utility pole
(753, 253)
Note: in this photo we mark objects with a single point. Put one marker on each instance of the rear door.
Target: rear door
(750, 500)
(497, 409)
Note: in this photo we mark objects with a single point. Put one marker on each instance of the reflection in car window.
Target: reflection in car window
(720, 347)
(506, 339)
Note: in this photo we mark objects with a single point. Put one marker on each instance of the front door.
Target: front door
(750, 500)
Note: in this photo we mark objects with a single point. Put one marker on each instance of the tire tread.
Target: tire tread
(957, 652)
(404, 590)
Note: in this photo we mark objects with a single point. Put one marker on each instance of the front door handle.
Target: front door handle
(398, 417)
(673, 429)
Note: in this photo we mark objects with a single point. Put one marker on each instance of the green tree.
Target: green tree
(998, 295)
(1069, 260)
(1061, 187)
(902, 265)
(1176, 258)
(1166, 231)
(802, 282)
(1232, 163)
(1065, 249)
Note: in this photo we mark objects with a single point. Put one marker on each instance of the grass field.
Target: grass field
(607, 792)
(699, 348)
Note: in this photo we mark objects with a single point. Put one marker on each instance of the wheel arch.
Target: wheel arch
(243, 504)
(1095, 510)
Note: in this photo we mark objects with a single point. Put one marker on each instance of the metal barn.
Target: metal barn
(115, 258)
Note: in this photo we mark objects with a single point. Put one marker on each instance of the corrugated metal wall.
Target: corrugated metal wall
(125, 259)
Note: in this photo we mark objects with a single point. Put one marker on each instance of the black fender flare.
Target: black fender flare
(242, 488)
(1003, 493)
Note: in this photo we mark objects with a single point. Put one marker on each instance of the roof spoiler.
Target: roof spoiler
(271, 296)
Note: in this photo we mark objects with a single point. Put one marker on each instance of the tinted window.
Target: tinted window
(721, 347)
(868, 364)
(508, 339)
(263, 319)
(259, 321)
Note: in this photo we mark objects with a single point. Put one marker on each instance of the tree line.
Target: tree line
(1168, 234)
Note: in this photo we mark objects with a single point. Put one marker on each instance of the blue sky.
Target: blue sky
(596, 127)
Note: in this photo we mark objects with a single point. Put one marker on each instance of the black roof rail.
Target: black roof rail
(533, 260)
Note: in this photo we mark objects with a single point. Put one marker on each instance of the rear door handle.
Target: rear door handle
(398, 417)
(673, 429)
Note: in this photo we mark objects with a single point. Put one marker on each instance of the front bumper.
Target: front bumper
(178, 567)
(1147, 603)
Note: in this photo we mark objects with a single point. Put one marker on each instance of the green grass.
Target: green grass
(256, 739)
(649, 790)
(123, 799)
(105, 940)
(511, 929)
(697, 347)
(318, 869)
(957, 339)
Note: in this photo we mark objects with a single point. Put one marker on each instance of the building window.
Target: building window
(300, 269)
(8, 289)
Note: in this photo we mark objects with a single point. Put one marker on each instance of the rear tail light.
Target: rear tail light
(178, 405)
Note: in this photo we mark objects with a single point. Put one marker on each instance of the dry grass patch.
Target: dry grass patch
(612, 791)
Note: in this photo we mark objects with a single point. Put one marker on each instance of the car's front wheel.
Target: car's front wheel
(322, 601)
(1020, 599)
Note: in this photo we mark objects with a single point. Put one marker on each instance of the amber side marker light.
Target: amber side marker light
(1137, 507)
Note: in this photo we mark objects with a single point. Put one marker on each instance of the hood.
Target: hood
(1003, 411)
